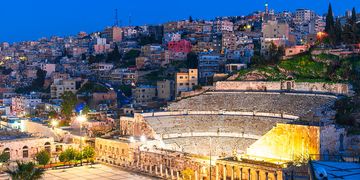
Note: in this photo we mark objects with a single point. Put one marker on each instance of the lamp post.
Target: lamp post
(210, 157)
(81, 119)
(54, 123)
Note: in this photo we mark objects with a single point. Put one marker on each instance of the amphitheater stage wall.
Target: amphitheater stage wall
(333, 139)
(287, 142)
(317, 87)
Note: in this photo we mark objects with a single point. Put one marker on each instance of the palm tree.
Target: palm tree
(25, 171)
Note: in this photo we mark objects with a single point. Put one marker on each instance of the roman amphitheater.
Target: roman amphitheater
(257, 127)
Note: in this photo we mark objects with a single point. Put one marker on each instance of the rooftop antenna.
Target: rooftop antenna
(116, 22)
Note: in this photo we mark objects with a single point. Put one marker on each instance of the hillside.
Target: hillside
(305, 67)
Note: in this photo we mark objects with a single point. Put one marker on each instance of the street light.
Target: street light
(54, 123)
(143, 138)
(81, 119)
(131, 139)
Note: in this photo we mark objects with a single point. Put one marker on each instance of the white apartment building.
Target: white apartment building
(60, 86)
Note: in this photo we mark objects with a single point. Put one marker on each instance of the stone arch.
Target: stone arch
(7, 151)
(25, 152)
(48, 147)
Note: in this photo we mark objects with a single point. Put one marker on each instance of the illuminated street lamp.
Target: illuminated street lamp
(54, 123)
(143, 138)
(131, 139)
(81, 119)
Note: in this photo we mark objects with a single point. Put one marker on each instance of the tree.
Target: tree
(188, 174)
(351, 32)
(114, 56)
(130, 56)
(68, 104)
(330, 26)
(338, 32)
(25, 171)
(192, 60)
(53, 114)
(4, 157)
(68, 155)
(275, 53)
(329, 20)
(83, 56)
(353, 16)
(88, 153)
(191, 19)
(86, 110)
(43, 157)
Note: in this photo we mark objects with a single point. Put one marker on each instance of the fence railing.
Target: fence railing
(336, 158)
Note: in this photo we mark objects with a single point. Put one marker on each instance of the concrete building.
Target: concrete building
(22, 147)
(229, 68)
(144, 93)
(101, 46)
(166, 90)
(60, 86)
(185, 81)
(209, 64)
(183, 46)
(294, 50)
(274, 32)
(171, 37)
(102, 66)
(49, 68)
(113, 34)
(24, 105)
(303, 16)
(223, 25)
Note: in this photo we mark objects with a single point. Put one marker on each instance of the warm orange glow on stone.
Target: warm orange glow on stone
(287, 142)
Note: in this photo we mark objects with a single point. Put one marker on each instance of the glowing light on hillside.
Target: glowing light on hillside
(321, 35)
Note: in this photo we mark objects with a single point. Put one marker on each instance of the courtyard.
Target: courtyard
(97, 171)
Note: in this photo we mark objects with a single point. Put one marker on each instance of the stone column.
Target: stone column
(258, 175)
(172, 173)
(166, 172)
(249, 174)
(196, 175)
(266, 176)
(150, 169)
(224, 172)
(275, 175)
(241, 173)
(177, 175)
(216, 172)
(232, 172)
(156, 170)
(161, 170)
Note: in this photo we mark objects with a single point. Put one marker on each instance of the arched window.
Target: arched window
(58, 148)
(25, 152)
(7, 151)
(48, 147)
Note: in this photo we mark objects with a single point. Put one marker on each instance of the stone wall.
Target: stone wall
(38, 129)
(32, 144)
(248, 85)
(287, 142)
(317, 87)
(330, 139)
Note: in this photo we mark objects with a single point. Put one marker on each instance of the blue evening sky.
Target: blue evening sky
(31, 19)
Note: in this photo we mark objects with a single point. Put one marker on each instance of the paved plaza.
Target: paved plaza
(97, 172)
